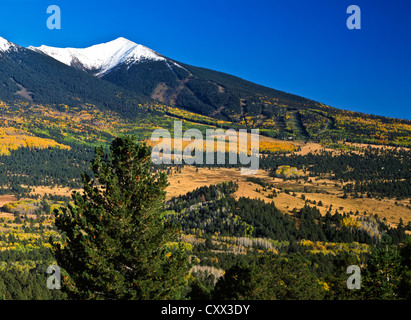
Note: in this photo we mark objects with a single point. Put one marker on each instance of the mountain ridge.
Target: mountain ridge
(5, 45)
(103, 58)
(53, 83)
(100, 57)
(130, 81)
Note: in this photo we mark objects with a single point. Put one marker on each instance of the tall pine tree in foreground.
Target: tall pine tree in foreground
(115, 243)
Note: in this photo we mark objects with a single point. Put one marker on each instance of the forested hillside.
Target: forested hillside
(47, 81)
(289, 232)
(227, 239)
(244, 236)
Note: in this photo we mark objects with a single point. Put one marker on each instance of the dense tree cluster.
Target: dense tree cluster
(212, 210)
(24, 259)
(29, 285)
(309, 276)
(43, 167)
(42, 77)
(375, 172)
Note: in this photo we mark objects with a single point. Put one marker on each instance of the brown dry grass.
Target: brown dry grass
(6, 199)
(312, 147)
(59, 191)
(189, 179)
(317, 148)
(375, 146)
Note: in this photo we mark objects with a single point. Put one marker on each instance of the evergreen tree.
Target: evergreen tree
(198, 290)
(383, 272)
(405, 285)
(236, 284)
(336, 279)
(115, 242)
(269, 277)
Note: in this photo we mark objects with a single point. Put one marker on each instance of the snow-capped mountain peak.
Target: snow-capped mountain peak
(101, 58)
(6, 45)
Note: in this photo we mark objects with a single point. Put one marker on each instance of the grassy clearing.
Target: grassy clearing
(290, 193)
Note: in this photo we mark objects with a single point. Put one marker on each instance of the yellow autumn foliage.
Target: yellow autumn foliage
(350, 222)
(265, 146)
(12, 139)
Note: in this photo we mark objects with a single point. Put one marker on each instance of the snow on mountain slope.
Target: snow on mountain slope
(6, 45)
(101, 58)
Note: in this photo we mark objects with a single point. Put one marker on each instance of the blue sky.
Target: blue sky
(298, 46)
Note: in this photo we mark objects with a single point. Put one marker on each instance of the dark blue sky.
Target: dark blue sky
(298, 46)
